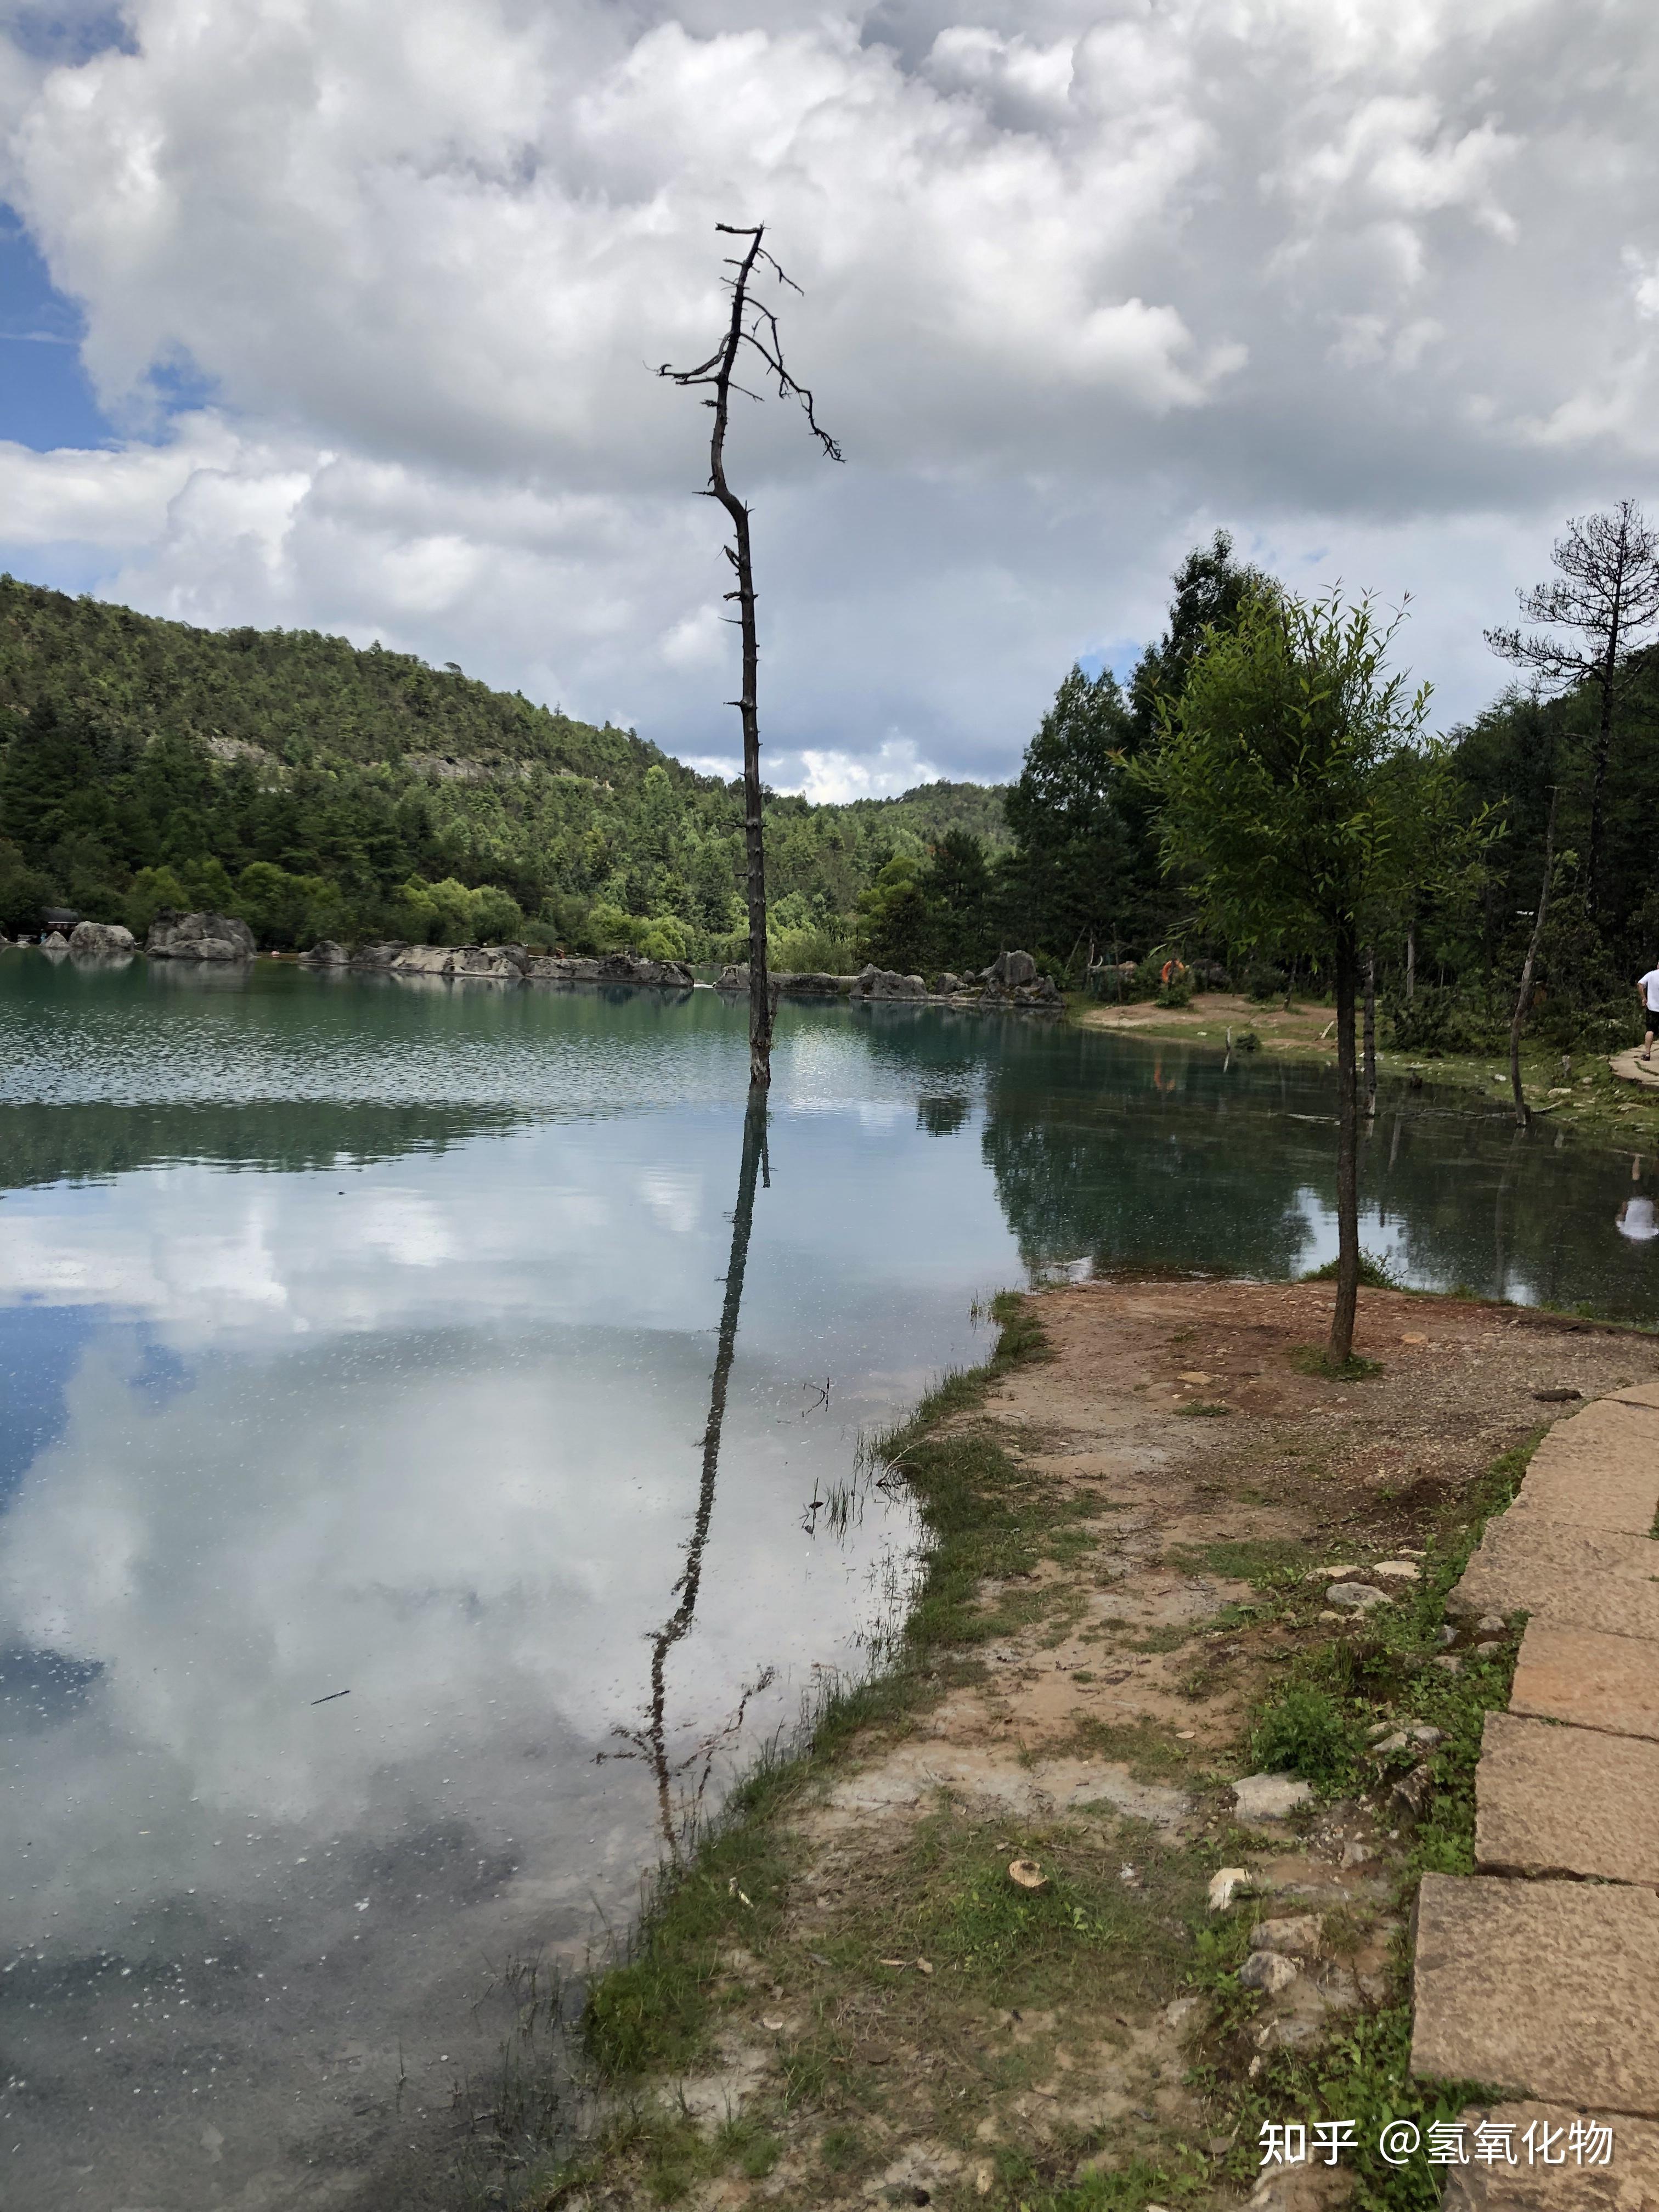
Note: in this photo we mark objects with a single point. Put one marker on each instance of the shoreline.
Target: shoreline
(841, 1997)
(1595, 1101)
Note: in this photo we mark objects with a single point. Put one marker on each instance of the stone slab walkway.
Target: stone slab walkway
(1540, 1973)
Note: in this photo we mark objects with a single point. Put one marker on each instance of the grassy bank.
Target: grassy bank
(1590, 1099)
(841, 1995)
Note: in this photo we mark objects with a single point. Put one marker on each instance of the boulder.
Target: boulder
(617, 968)
(54, 941)
(98, 939)
(1009, 971)
(946, 985)
(873, 983)
(1269, 1796)
(806, 984)
(326, 953)
(174, 935)
(1355, 1597)
(387, 954)
(1268, 1971)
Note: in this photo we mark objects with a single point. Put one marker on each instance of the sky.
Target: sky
(323, 314)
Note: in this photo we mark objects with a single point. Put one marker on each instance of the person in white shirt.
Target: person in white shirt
(1648, 992)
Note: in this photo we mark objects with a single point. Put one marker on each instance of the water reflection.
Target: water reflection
(353, 1338)
(675, 1820)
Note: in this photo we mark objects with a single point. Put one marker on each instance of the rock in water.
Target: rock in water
(873, 983)
(326, 953)
(100, 938)
(175, 936)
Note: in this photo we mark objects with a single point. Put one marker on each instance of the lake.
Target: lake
(429, 1411)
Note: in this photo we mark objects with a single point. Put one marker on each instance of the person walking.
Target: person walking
(1648, 992)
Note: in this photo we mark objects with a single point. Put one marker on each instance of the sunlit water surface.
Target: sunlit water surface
(364, 1336)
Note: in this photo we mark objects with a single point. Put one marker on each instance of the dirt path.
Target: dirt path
(884, 2015)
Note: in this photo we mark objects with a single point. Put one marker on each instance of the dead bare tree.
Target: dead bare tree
(1523, 1113)
(752, 326)
(1607, 593)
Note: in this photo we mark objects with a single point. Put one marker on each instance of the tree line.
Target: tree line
(320, 790)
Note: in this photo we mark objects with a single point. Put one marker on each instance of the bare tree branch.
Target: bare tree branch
(1607, 593)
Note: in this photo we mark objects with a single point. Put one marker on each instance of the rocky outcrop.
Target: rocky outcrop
(54, 941)
(174, 935)
(100, 939)
(873, 983)
(788, 983)
(326, 953)
(612, 967)
(1011, 979)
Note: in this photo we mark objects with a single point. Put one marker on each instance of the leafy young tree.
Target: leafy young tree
(1281, 794)
(1598, 613)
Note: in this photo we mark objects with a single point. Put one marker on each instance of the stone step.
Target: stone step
(1588, 1679)
(1541, 1988)
(1567, 1801)
(1602, 1475)
(1522, 1561)
(1629, 2183)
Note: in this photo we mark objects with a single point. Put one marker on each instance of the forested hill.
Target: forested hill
(319, 789)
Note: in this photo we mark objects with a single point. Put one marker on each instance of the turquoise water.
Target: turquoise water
(396, 1339)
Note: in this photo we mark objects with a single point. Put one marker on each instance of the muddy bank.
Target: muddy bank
(1143, 1510)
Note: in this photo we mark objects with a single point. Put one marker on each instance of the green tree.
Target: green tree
(1284, 795)
(1074, 872)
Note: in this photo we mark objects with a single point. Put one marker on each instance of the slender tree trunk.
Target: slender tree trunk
(740, 554)
(1609, 673)
(1348, 1153)
(1524, 994)
(760, 982)
(1371, 1033)
(1411, 960)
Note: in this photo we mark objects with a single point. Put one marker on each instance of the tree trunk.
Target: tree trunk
(760, 982)
(1521, 996)
(1348, 1154)
(739, 553)
(1411, 960)
(1371, 1033)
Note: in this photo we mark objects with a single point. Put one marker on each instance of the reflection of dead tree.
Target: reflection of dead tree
(651, 1741)
(753, 329)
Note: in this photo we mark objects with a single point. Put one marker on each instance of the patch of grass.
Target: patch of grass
(1205, 1409)
(1307, 1731)
(1362, 2074)
(1269, 1562)
(1315, 1359)
(1374, 1273)
(1149, 1753)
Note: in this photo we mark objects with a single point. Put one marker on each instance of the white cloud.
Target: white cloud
(1080, 282)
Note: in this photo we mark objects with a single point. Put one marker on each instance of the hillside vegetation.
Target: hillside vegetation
(317, 790)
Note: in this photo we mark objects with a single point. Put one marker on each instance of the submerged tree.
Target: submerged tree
(1604, 607)
(754, 327)
(1293, 776)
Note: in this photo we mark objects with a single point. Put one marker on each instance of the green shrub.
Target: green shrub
(1247, 1040)
(1374, 1273)
(1305, 1731)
